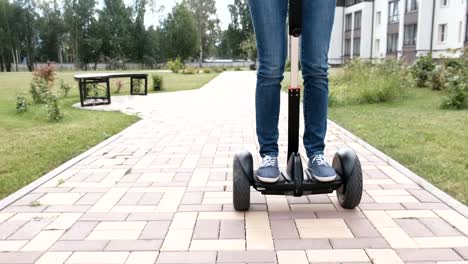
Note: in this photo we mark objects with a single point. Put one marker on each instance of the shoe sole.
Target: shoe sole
(267, 180)
(325, 179)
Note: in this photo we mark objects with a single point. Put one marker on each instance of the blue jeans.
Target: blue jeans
(269, 21)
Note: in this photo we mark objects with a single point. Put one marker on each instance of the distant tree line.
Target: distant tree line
(85, 33)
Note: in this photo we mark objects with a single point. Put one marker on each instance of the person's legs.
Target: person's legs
(318, 17)
(269, 21)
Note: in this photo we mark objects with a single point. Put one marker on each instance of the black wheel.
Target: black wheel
(346, 163)
(242, 177)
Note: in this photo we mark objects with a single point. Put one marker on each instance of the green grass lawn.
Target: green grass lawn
(30, 146)
(414, 131)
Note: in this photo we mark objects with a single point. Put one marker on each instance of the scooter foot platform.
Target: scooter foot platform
(287, 186)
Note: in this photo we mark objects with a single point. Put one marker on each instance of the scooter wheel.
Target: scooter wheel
(347, 165)
(242, 178)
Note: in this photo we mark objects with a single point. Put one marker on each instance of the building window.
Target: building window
(356, 46)
(352, 2)
(460, 31)
(410, 35)
(378, 18)
(377, 46)
(357, 20)
(443, 33)
(392, 43)
(393, 12)
(347, 47)
(444, 3)
(411, 5)
(348, 22)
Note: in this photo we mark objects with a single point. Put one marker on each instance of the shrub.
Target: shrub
(218, 69)
(457, 97)
(190, 70)
(237, 69)
(436, 80)
(157, 82)
(54, 112)
(21, 103)
(176, 65)
(422, 70)
(42, 82)
(38, 88)
(118, 86)
(46, 72)
(365, 83)
(206, 70)
(65, 88)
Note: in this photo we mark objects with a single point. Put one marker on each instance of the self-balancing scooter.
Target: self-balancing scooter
(348, 183)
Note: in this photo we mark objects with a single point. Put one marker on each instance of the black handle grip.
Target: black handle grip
(295, 18)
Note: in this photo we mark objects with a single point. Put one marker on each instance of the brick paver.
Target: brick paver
(161, 192)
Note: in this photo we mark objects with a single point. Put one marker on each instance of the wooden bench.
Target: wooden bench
(95, 87)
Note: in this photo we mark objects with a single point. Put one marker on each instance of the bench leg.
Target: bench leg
(108, 91)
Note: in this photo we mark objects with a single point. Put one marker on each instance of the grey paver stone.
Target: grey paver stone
(359, 243)
(133, 245)
(206, 229)
(284, 229)
(232, 229)
(301, 244)
(428, 255)
(187, 257)
(79, 245)
(155, 230)
(19, 257)
(414, 228)
(246, 256)
(79, 231)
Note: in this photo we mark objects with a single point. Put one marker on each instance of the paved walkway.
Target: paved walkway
(160, 192)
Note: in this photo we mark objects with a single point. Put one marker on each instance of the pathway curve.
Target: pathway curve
(160, 192)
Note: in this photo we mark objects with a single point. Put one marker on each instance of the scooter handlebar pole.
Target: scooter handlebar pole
(295, 30)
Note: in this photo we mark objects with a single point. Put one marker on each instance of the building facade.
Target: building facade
(403, 29)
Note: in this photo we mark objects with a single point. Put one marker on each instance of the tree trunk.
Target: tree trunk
(15, 62)
(1, 62)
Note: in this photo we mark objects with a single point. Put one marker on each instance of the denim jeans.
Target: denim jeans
(269, 21)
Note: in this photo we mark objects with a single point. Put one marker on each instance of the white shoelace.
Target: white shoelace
(268, 161)
(320, 159)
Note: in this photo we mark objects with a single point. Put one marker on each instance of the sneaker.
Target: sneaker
(268, 171)
(320, 169)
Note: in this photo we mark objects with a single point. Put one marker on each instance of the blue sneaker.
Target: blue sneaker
(268, 171)
(320, 169)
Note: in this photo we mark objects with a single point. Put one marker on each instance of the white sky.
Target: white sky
(221, 6)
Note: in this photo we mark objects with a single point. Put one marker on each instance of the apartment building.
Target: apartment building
(403, 29)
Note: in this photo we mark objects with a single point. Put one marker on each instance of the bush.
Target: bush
(237, 69)
(42, 82)
(176, 65)
(253, 67)
(157, 82)
(118, 86)
(437, 79)
(65, 88)
(46, 73)
(206, 70)
(422, 70)
(365, 83)
(457, 97)
(54, 112)
(218, 69)
(190, 70)
(21, 103)
(38, 88)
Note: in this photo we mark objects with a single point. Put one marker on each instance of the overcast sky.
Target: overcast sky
(221, 6)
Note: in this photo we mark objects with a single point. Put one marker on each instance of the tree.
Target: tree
(82, 37)
(51, 31)
(239, 30)
(204, 12)
(115, 20)
(180, 35)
